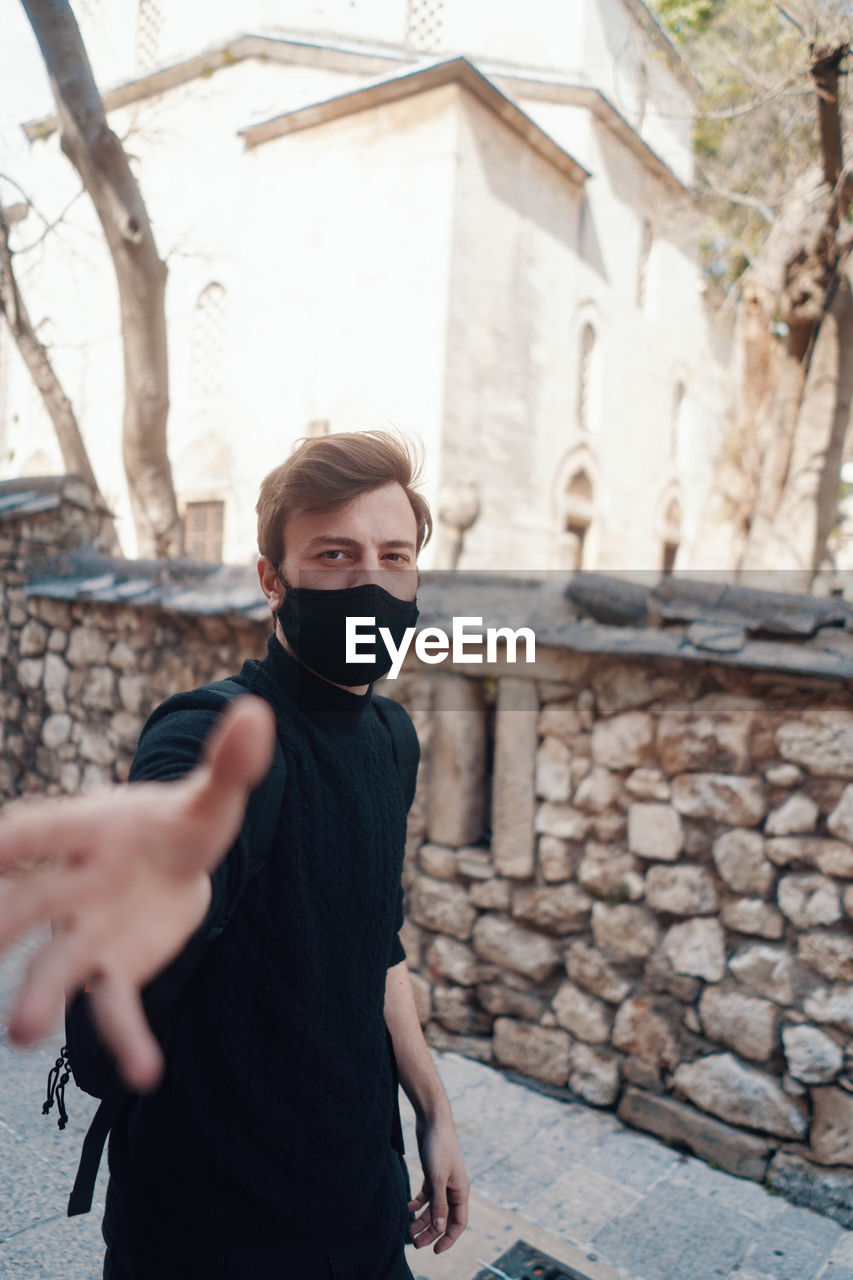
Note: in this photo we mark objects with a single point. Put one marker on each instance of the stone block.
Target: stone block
(829, 954)
(747, 1024)
(809, 900)
(553, 773)
(87, 647)
(512, 947)
(474, 862)
(825, 1190)
(456, 1010)
(840, 821)
(562, 821)
(741, 1095)
(683, 890)
(644, 1032)
(56, 730)
(655, 831)
(648, 784)
(513, 791)
(610, 872)
(30, 672)
(588, 967)
(742, 1154)
(832, 857)
(832, 1126)
(740, 860)
(797, 816)
(477, 1048)
(557, 858)
(134, 693)
(437, 861)
(727, 798)
(559, 720)
(660, 975)
(500, 1000)
(557, 909)
(710, 743)
(696, 948)
(456, 797)
(832, 1006)
(812, 1056)
(783, 775)
(622, 686)
(410, 939)
(768, 971)
(454, 960)
(822, 742)
(598, 791)
(440, 906)
(624, 741)
(624, 932)
(33, 640)
(593, 1076)
(540, 1052)
(491, 895)
(584, 1015)
(752, 916)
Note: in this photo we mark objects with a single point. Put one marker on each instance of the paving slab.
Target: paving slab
(573, 1181)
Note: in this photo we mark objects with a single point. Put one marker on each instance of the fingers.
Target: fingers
(444, 1220)
(120, 1019)
(58, 969)
(26, 903)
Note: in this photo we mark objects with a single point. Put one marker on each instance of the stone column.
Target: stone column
(513, 791)
(457, 775)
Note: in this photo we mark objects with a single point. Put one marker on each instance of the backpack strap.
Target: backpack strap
(404, 743)
(262, 814)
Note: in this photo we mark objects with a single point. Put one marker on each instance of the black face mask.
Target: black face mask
(314, 624)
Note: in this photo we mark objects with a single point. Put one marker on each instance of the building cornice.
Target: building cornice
(548, 89)
(374, 60)
(405, 84)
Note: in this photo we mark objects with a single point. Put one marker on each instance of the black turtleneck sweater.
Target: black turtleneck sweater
(273, 1121)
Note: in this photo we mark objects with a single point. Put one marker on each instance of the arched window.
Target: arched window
(586, 376)
(647, 239)
(425, 25)
(208, 350)
(149, 26)
(671, 536)
(578, 508)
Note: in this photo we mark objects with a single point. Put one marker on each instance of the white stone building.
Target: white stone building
(468, 219)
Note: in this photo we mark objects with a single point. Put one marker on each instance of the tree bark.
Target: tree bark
(98, 157)
(35, 357)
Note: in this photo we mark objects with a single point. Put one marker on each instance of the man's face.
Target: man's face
(370, 539)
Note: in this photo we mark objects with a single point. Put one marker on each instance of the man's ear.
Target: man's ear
(271, 583)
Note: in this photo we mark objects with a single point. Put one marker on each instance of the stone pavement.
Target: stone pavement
(612, 1203)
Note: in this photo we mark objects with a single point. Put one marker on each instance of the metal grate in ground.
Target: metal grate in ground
(523, 1262)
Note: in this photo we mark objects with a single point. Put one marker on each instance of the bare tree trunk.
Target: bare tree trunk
(801, 425)
(35, 357)
(97, 154)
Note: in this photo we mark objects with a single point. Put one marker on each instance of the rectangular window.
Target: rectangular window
(203, 526)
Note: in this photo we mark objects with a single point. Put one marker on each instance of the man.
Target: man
(265, 1148)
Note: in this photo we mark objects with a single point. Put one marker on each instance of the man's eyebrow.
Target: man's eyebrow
(330, 539)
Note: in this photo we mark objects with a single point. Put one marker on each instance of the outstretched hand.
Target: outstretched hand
(123, 877)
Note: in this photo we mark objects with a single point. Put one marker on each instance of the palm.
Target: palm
(123, 878)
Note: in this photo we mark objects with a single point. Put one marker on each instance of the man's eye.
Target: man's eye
(332, 554)
(397, 557)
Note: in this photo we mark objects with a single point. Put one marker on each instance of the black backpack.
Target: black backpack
(83, 1055)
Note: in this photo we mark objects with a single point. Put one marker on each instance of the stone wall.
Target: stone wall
(632, 882)
(657, 916)
(78, 679)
